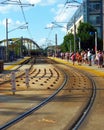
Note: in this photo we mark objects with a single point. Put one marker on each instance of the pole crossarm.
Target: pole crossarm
(57, 25)
(24, 26)
(72, 1)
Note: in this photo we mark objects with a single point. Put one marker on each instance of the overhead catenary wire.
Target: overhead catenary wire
(12, 2)
(22, 11)
(25, 18)
(55, 25)
(19, 3)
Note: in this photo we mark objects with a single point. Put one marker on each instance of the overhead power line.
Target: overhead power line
(22, 11)
(14, 2)
(21, 4)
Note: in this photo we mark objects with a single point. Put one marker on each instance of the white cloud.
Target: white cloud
(5, 9)
(33, 1)
(42, 42)
(63, 13)
(8, 7)
(11, 23)
(50, 25)
(40, 2)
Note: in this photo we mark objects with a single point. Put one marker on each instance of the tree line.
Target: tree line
(86, 34)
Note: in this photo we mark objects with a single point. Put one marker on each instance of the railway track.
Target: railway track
(19, 70)
(58, 97)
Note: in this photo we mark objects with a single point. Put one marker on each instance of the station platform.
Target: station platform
(13, 64)
(93, 69)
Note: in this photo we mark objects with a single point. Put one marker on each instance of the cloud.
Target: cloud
(33, 1)
(5, 9)
(42, 42)
(11, 23)
(41, 2)
(50, 25)
(8, 7)
(63, 13)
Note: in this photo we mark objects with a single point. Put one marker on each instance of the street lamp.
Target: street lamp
(24, 26)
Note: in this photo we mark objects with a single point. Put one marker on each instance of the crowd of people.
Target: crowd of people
(89, 57)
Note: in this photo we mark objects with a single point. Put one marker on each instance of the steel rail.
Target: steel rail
(21, 64)
(33, 109)
(85, 111)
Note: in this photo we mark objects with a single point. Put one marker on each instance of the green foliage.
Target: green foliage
(68, 39)
(86, 32)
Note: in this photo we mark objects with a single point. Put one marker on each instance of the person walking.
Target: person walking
(100, 59)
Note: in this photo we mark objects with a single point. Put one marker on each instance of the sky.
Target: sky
(43, 19)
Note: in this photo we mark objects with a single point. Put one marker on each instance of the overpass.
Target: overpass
(17, 47)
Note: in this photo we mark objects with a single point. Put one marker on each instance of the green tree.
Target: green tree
(86, 32)
(67, 43)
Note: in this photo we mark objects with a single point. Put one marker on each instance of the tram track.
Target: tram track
(6, 77)
(73, 86)
(76, 125)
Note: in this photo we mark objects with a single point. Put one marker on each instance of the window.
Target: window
(94, 7)
(95, 19)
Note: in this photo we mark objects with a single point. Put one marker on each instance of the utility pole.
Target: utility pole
(79, 44)
(21, 45)
(6, 40)
(70, 46)
(55, 44)
(74, 35)
(95, 42)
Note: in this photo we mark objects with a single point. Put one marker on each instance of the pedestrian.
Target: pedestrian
(73, 57)
(89, 57)
(100, 60)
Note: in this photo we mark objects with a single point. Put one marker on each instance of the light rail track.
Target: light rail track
(19, 71)
(76, 125)
(53, 81)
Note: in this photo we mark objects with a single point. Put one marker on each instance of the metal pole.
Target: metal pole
(74, 36)
(70, 47)
(79, 43)
(95, 42)
(28, 50)
(6, 39)
(21, 44)
(56, 44)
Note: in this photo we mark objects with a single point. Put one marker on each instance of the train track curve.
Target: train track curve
(53, 88)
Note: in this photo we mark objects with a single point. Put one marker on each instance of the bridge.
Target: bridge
(18, 47)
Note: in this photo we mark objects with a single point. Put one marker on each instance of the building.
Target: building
(90, 11)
